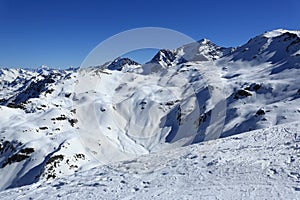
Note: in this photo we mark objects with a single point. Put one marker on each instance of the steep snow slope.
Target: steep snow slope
(56, 122)
(37, 130)
(262, 164)
(137, 113)
(279, 47)
(264, 77)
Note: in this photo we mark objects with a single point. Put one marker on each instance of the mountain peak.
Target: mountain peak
(205, 41)
(164, 55)
(278, 32)
(119, 63)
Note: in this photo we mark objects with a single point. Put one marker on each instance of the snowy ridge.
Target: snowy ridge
(279, 47)
(123, 64)
(54, 123)
(203, 50)
(278, 32)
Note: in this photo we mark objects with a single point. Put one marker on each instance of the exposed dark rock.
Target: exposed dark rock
(119, 63)
(253, 87)
(260, 112)
(14, 158)
(51, 165)
(73, 122)
(27, 150)
(164, 55)
(54, 159)
(6, 146)
(18, 105)
(49, 91)
(241, 94)
(73, 111)
(10, 148)
(170, 103)
(62, 117)
(67, 95)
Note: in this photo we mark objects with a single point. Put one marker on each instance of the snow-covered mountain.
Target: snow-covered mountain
(123, 64)
(57, 122)
(203, 50)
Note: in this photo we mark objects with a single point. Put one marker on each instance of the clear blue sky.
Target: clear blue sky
(62, 32)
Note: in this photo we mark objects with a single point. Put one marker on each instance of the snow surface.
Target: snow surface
(262, 164)
(125, 130)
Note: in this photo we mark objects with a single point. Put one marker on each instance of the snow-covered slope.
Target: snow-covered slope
(279, 47)
(262, 164)
(56, 122)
